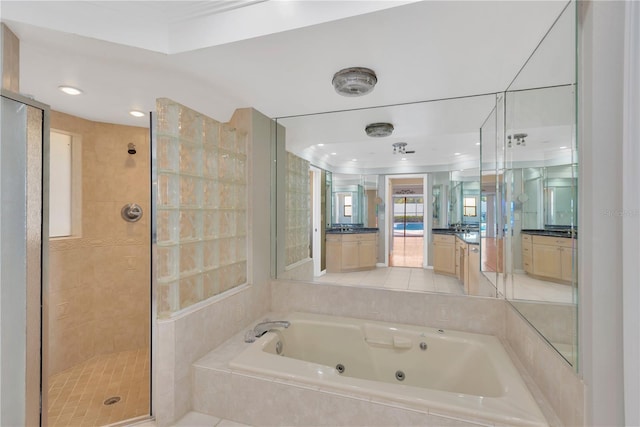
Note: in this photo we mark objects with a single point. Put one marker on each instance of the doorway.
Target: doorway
(406, 247)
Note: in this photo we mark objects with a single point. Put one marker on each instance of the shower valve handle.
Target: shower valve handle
(131, 212)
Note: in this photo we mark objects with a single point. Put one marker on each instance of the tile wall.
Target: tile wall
(201, 207)
(99, 280)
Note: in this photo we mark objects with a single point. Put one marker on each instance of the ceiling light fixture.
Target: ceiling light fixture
(399, 147)
(136, 113)
(354, 81)
(379, 130)
(354, 160)
(70, 90)
(519, 139)
(456, 154)
(320, 145)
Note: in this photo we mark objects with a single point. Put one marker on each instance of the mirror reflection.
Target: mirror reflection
(462, 197)
(533, 170)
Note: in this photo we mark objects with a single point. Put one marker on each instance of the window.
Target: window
(470, 206)
(348, 206)
(63, 167)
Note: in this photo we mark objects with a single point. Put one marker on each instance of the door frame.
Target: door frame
(388, 214)
(316, 226)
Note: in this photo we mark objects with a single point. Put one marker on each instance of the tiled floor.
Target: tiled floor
(77, 395)
(407, 252)
(414, 279)
(525, 287)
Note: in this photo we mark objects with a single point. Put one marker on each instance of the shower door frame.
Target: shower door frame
(37, 288)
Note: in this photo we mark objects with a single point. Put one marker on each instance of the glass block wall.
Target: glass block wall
(201, 207)
(298, 212)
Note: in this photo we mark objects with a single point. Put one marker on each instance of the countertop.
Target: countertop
(351, 230)
(552, 233)
(471, 237)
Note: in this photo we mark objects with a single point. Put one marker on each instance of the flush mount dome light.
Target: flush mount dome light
(354, 81)
(70, 90)
(379, 130)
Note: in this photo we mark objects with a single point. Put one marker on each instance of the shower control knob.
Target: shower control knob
(131, 212)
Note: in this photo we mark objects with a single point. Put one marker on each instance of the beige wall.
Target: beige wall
(99, 281)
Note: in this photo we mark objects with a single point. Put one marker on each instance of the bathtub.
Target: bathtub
(464, 375)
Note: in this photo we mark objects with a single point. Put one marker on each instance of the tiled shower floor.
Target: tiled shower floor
(77, 395)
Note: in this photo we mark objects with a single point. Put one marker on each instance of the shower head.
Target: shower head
(132, 148)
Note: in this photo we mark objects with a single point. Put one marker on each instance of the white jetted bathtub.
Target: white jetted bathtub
(451, 372)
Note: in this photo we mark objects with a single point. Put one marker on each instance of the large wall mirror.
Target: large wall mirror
(531, 165)
(443, 202)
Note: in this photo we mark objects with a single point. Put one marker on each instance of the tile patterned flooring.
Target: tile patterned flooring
(407, 252)
(77, 395)
(412, 279)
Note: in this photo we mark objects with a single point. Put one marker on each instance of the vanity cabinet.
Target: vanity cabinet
(351, 252)
(444, 254)
(472, 283)
(548, 257)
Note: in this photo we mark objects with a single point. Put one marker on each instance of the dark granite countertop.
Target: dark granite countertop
(552, 233)
(351, 230)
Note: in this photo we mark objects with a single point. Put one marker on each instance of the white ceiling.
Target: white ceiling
(279, 57)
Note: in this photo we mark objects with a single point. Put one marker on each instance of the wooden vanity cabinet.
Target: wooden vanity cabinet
(550, 258)
(351, 252)
(444, 254)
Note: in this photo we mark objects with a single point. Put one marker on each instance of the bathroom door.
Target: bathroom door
(24, 133)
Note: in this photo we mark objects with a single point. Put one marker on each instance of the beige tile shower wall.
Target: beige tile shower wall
(99, 281)
(298, 212)
(202, 207)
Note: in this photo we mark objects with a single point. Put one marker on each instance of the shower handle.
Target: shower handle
(131, 212)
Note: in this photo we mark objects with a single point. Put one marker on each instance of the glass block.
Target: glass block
(242, 142)
(167, 153)
(226, 167)
(241, 249)
(210, 224)
(190, 258)
(190, 159)
(226, 196)
(167, 226)
(168, 299)
(227, 251)
(210, 162)
(190, 225)
(241, 223)
(240, 273)
(226, 278)
(190, 290)
(211, 132)
(227, 223)
(168, 113)
(241, 171)
(167, 265)
(241, 200)
(190, 126)
(167, 191)
(211, 254)
(190, 191)
(211, 283)
(210, 194)
(227, 137)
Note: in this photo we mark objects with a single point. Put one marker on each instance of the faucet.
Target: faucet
(264, 327)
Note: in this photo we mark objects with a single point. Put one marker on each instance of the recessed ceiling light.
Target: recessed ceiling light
(477, 143)
(563, 147)
(333, 154)
(320, 145)
(136, 113)
(70, 90)
(456, 154)
(404, 158)
(354, 160)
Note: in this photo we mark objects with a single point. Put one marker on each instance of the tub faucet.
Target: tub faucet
(264, 327)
